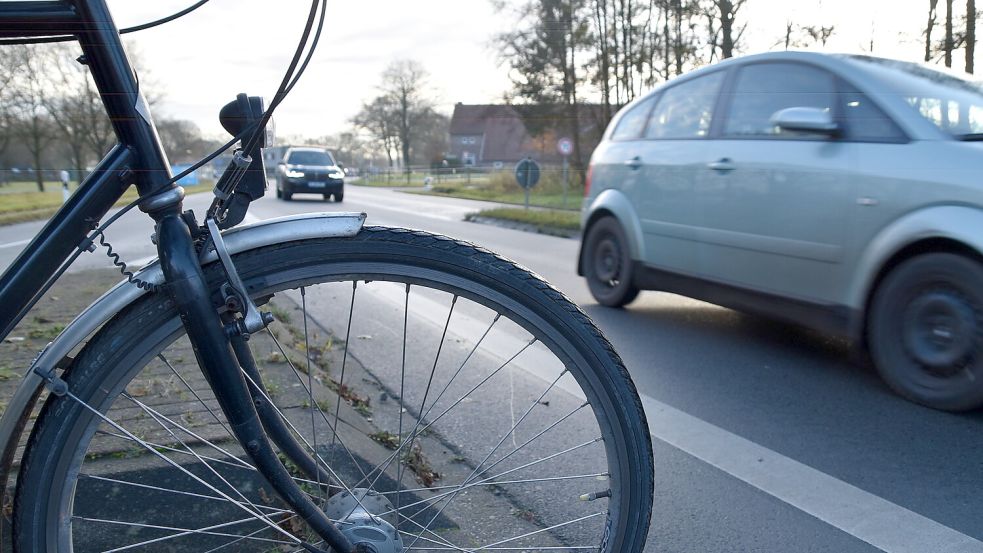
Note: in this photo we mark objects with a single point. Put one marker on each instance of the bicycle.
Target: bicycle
(567, 465)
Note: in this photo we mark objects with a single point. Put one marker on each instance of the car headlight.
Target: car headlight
(294, 174)
(336, 175)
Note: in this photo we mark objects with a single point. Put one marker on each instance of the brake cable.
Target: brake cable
(127, 30)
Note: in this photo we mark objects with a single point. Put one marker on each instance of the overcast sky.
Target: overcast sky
(202, 61)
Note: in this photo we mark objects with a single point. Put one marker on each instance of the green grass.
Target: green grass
(501, 187)
(20, 203)
(543, 219)
(397, 179)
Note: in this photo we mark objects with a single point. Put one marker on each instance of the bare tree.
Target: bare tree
(32, 125)
(74, 106)
(378, 119)
(404, 83)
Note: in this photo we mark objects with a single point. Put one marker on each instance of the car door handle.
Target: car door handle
(722, 165)
(634, 162)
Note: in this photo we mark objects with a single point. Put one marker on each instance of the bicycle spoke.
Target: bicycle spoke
(498, 445)
(541, 530)
(180, 532)
(310, 386)
(173, 464)
(344, 358)
(399, 404)
(300, 380)
(385, 464)
(157, 416)
(194, 393)
(246, 536)
(270, 510)
(491, 479)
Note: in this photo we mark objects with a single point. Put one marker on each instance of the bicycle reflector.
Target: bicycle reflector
(247, 168)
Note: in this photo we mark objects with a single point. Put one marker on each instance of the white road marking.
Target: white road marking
(865, 516)
(14, 244)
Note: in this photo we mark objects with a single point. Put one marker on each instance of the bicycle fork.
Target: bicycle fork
(211, 343)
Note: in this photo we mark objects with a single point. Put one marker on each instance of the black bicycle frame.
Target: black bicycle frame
(139, 159)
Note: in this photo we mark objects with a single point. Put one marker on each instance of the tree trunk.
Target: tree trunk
(932, 5)
(678, 38)
(970, 34)
(948, 33)
(667, 39)
(726, 28)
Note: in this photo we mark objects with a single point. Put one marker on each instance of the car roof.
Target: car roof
(871, 75)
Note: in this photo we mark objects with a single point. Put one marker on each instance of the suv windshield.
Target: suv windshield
(310, 158)
(953, 104)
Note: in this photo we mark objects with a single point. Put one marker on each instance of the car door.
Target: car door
(616, 163)
(672, 158)
(779, 205)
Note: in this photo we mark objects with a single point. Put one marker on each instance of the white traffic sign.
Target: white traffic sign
(565, 146)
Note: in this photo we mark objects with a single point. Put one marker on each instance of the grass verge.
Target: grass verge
(543, 221)
(20, 207)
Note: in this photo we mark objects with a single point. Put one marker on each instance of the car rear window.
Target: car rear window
(310, 158)
(686, 110)
(631, 124)
(764, 89)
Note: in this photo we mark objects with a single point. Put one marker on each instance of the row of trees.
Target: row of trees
(561, 51)
(958, 33)
(52, 115)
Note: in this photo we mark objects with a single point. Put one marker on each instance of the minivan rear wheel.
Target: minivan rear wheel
(607, 264)
(926, 331)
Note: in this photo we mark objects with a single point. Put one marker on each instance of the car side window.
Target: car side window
(761, 90)
(685, 110)
(864, 121)
(631, 124)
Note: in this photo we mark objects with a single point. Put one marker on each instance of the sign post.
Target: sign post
(565, 147)
(527, 175)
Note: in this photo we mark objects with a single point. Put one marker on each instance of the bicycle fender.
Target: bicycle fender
(56, 354)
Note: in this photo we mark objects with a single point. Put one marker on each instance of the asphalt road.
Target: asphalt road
(767, 437)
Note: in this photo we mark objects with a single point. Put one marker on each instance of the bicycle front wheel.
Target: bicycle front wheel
(475, 405)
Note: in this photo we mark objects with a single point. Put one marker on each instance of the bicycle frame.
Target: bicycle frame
(139, 159)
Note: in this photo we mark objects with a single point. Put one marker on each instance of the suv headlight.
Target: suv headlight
(294, 174)
(336, 175)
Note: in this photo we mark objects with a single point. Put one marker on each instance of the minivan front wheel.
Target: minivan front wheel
(926, 331)
(607, 264)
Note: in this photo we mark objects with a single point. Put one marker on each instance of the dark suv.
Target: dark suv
(309, 170)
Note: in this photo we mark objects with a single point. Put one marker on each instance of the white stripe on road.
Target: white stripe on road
(14, 244)
(865, 516)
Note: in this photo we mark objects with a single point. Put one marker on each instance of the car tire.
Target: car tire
(339, 196)
(287, 196)
(925, 331)
(279, 194)
(607, 264)
(325, 197)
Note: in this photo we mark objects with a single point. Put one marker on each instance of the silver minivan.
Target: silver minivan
(840, 192)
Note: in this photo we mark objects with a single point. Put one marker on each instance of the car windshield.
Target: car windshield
(310, 158)
(953, 104)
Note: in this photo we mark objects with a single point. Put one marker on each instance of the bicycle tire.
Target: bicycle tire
(59, 444)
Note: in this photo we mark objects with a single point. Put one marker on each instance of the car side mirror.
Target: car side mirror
(813, 120)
